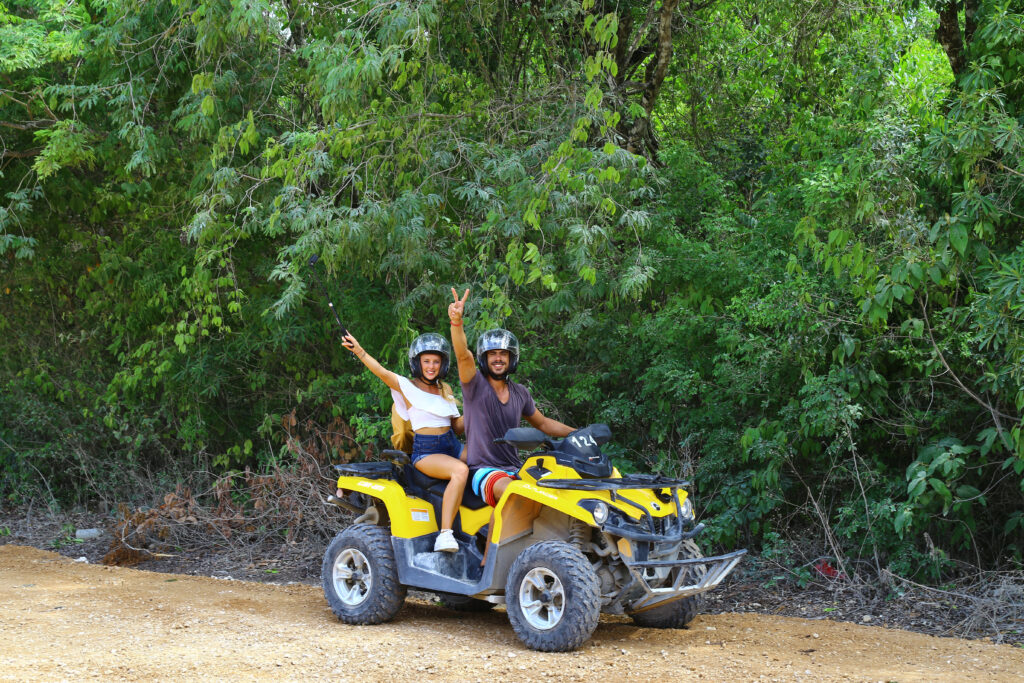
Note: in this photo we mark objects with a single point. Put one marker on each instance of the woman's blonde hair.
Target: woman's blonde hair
(447, 393)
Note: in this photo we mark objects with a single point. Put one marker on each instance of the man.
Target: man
(493, 404)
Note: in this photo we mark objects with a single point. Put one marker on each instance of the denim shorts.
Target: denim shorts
(428, 444)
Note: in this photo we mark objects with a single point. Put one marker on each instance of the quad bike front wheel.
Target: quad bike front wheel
(360, 577)
(552, 597)
(677, 613)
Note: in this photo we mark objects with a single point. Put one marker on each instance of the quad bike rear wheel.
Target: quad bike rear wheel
(677, 613)
(552, 597)
(360, 577)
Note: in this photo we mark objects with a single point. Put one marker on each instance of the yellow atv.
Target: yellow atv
(571, 538)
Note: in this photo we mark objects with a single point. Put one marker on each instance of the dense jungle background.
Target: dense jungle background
(776, 246)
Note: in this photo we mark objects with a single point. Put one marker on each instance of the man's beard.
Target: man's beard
(493, 375)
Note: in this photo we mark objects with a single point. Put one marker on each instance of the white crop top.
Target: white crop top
(423, 409)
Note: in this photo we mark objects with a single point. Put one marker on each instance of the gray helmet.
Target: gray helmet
(431, 342)
(493, 340)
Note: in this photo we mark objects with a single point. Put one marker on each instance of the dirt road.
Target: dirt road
(62, 620)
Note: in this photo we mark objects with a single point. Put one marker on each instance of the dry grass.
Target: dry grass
(981, 604)
(244, 510)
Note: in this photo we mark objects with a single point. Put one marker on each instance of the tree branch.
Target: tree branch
(17, 154)
(996, 414)
(28, 125)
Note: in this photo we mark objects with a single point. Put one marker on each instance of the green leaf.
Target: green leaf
(940, 487)
(958, 238)
(902, 521)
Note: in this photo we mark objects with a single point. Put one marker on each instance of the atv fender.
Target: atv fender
(523, 502)
(410, 516)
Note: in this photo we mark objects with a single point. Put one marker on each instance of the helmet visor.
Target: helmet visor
(432, 342)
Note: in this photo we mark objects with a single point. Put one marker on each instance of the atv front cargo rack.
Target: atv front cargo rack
(630, 481)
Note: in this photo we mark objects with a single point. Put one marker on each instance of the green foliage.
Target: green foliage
(916, 272)
(66, 537)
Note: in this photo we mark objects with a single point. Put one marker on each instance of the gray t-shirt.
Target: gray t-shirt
(487, 419)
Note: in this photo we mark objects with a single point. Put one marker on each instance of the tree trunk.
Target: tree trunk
(640, 134)
(948, 33)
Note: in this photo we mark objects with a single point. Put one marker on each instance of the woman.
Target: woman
(436, 451)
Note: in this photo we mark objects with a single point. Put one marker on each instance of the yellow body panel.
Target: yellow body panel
(472, 520)
(563, 501)
(567, 500)
(410, 516)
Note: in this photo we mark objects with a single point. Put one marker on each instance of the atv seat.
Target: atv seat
(432, 490)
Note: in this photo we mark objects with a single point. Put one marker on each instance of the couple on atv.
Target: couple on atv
(493, 404)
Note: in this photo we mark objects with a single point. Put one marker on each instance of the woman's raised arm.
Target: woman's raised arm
(385, 375)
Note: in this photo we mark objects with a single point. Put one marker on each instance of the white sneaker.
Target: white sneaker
(446, 542)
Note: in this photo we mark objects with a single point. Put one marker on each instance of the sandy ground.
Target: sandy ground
(64, 620)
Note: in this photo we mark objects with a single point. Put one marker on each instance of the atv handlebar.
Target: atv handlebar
(530, 438)
(526, 438)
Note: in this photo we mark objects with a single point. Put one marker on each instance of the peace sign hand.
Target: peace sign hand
(457, 307)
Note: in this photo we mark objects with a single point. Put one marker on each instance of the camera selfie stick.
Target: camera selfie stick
(312, 265)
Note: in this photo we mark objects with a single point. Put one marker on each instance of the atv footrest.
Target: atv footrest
(420, 567)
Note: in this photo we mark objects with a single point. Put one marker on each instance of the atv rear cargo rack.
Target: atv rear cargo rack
(368, 470)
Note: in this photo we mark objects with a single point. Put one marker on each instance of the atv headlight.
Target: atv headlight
(687, 509)
(600, 513)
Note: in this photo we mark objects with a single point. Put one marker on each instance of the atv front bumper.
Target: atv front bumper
(717, 568)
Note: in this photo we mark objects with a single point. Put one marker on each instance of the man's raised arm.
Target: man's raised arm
(463, 356)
